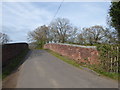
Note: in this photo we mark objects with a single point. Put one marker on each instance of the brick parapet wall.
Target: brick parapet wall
(79, 54)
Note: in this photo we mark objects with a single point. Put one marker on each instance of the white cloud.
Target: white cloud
(23, 17)
(85, 14)
(20, 18)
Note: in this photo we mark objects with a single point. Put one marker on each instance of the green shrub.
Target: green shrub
(109, 57)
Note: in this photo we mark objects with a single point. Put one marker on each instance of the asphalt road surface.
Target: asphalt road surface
(42, 70)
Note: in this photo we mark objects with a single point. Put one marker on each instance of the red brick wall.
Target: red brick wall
(9, 51)
(79, 54)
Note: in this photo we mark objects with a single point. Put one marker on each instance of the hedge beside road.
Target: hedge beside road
(9, 51)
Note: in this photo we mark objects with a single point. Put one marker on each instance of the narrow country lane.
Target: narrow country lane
(42, 70)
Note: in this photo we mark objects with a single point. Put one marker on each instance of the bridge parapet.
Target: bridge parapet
(81, 54)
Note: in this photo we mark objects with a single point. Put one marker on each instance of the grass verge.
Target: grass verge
(94, 68)
(101, 72)
(14, 63)
(69, 61)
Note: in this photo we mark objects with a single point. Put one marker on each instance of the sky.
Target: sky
(18, 18)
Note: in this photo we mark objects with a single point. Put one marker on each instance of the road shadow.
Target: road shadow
(23, 60)
(11, 80)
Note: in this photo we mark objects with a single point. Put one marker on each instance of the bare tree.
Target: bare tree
(92, 35)
(73, 35)
(61, 30)
(39, 35)
(4, 38)
(110, 36)
(80, 39)
(96, 34)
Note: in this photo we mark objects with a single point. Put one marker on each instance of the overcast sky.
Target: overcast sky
(20, 18)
